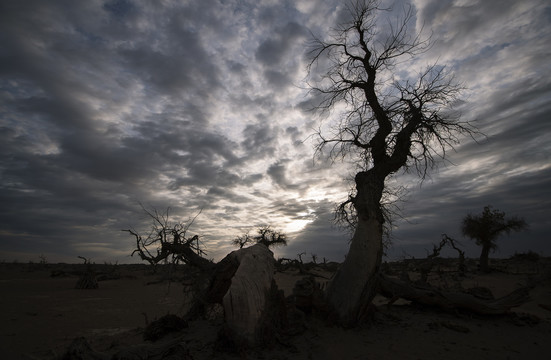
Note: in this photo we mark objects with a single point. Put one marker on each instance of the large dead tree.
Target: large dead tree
(388, 124)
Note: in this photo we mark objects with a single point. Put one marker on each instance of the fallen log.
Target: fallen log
(447, 300)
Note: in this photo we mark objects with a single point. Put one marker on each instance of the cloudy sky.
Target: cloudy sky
(201, 105)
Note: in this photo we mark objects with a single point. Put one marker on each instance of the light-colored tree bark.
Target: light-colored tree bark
(249, 293)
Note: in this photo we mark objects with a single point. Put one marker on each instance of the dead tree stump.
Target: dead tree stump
(248, 294)
(243, 284)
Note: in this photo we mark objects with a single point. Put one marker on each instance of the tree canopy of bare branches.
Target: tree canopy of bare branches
(265, 235)
(167, 241)
(387, 122)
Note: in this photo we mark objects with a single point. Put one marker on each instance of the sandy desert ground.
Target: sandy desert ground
(41, 314)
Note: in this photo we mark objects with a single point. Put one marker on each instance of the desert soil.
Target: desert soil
(42, 314)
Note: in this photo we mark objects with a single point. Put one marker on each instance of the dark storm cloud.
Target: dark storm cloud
(216, 193)
(481, 16)
(292, 207)
(296, 135)
(277, 79)
(64, 154)
(259, 139)
(184, 65)
(278, 174)
(119, 8)
(275, 50)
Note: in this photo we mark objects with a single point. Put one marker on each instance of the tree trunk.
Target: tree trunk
(484, 267)
(354, 286)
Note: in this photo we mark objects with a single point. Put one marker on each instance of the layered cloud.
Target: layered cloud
(200, 106)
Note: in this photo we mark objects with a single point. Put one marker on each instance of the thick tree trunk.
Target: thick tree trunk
(242, 284)
(354, 286)
(248, 297)
(484, 266)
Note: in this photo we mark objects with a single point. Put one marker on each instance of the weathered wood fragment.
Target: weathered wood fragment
(248, 295)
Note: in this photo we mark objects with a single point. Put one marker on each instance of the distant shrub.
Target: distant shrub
(528, 256)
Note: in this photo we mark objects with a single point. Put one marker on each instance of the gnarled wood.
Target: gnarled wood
(394, 288)
(248, 294)
(243, 284)
(352, 289)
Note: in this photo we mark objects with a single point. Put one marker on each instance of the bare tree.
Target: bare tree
(265, 235)
(486, 229)
(87, 279)
(170, 242)
(243, 240)
(388, 124)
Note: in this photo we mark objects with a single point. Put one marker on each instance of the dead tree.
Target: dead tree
(387, 125)
(461, 266)
(88, 278)
(170, 242)
(428, 264)
(265, 235)
(487, 227)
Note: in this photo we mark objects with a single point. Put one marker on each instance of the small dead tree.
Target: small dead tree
(88, 278)
(243, 240)
(462, 265)
(428, 264)
(169, 242)
(265, 235)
